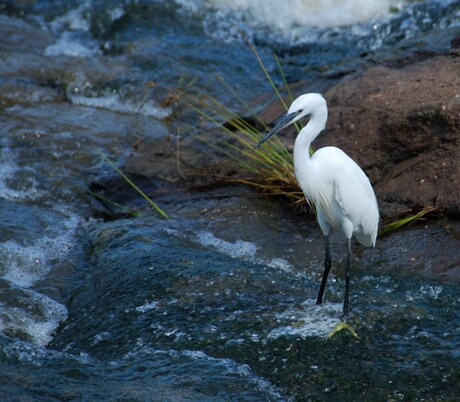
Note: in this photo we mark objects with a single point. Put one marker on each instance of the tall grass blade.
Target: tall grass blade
(298, 124)
(133, 185)
(107, 201)
(406, 221)
(283, 77)
(243, 102)
(267, 75)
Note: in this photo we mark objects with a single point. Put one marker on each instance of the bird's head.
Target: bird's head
(304, 105)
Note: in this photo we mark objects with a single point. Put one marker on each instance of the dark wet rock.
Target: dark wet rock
(190, 161)
(29, 75)
(17, 34)
(455, 42)
(429, 248)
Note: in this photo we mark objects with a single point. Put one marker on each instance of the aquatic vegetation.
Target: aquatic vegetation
(270, 169)
(396, 223)
(110, 203)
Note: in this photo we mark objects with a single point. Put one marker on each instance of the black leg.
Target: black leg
(327, 268)
(347, 279)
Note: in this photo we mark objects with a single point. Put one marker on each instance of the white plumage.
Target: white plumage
(342, 194)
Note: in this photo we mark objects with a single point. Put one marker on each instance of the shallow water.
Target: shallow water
(216, 303)
(204, 306)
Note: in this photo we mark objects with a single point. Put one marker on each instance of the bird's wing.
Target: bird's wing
(356, 198)
(343, 193)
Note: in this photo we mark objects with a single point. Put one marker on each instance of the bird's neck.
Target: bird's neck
(308, 134)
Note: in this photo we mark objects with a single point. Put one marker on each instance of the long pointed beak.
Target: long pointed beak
(283, 122)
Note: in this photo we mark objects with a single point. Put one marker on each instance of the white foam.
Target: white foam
(238, 249)
(300, 22)
(101, 337)
(280, 263)
(76, 19)
(69, 45)
(113, 102)
(74, 28)
(425, 291)
(8, 169)
(25, 313)
(24, 265)
(242, 370)
(37, 321)
(431, 291)
(24, 260)
(241, 249)
(79, 19)
(116, 13)
(147, 307)
(311, 320)
(289, 21)
(223, 366)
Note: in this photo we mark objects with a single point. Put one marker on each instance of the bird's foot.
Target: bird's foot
(340, 327)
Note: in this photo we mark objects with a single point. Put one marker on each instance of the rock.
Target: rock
(428, 248)
(399, 120)
(29, 75)
(402, 126)
(189, 161)
(17, 34)
(456, 42)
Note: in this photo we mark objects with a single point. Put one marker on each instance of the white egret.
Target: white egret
(342, 193)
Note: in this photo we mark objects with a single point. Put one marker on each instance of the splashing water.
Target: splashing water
(281, 17)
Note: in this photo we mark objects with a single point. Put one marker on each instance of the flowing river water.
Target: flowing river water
(216, 303)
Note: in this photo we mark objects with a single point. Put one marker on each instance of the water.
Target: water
(218, 302)
(373, 24)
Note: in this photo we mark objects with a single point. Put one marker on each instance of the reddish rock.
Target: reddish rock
(402, 125)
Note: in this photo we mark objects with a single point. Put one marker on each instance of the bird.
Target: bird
(341, 192)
